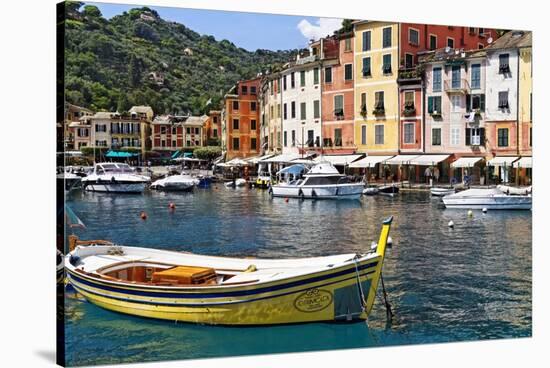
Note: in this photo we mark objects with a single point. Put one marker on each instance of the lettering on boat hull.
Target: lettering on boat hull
(313, 300)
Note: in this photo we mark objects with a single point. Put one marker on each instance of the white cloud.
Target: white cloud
(323, 27)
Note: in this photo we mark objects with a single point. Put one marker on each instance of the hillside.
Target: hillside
(137, 58)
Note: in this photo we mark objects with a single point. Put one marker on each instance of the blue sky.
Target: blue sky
(250, 31)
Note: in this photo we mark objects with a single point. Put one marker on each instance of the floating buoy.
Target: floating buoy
(373, 245)
(172, 206)
(451, 224)
(143, 215)
(484, 210)
(286, 199)
(470, 213)
(389, 242)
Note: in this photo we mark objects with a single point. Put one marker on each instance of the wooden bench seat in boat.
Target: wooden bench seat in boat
(185, 275)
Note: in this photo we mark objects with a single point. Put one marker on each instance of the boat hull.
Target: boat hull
(175, 187)
(495, 203)
(324, 296)
(116, 188)
(344, 191)
(441, 192)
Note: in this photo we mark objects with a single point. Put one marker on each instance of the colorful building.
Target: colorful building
(241, 118)
(167, 133)
(213, 128)
(73, 115)
(272, 115)
(337, 86)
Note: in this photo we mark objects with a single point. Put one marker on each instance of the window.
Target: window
(174, 143)
(316, 109)
(409, 61)
(475, 136)
(188, 130)
(339, 107)
(386, 64)
(279, 111)
(413, 36)
(302, 78)
(366, 41)
(436, 137)
(253, 144)
(366, 67)
(409, 101)
(378, 134)
(502, 137)
(285, 142)
(303, 110)
(363, 134)
(162, 143)
(252, 106)
(252, 90)
(386, 37)
(455, 77)
(451, 42)
(455, 103)
(235, 144)
(475, 102)
(347, 44)
(348, 72)
(475, 76)
(408, 133)
(455, 135)
(480, 46)
(163, 130)
(284, 83)
(101, 128)
(235, 105)
(215, 133)
(215, 119)
(236, 124)
(284, 111)
(434, 105)
(292, 80)
(472, 30)
(293, 109)
(504, 63)
(433, 42)
(293, 138)
(379, 100)
(197, 131)
(338, 137)
(481, 31)
(244, 90)
(503, 100)
(315, 76)
(253, 124)
(436, 83)
(328, 74)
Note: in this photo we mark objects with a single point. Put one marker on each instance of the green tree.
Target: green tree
(91, 11)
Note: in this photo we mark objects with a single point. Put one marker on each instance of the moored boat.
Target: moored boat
(492, 199)
(370, 190)
(441, 191)
(240, 182)
(388, 190)
(114, 177)
(263, 181)
(179, 182)
(229, 291)
(322, 181)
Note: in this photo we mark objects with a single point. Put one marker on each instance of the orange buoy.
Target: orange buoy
(143, 215)
(172, 206)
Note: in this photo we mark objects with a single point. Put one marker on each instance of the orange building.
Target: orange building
(337, 101)
(242, 120)
(213, 127)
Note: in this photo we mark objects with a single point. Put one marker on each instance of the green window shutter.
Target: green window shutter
(430, 104)
(437, 104)
(468, 136)
(482, 136)
(468, 103)
(482, 102)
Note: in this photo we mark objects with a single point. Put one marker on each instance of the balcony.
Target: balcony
(409, 75)
(457, 86)
(409, 110)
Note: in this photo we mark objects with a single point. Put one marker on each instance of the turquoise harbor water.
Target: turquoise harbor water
(468, 283)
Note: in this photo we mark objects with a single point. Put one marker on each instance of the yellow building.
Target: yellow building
(376, 90)
(525, 96)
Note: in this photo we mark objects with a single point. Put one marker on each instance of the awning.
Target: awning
(401, 160)
(257, 159)
(428, 160)
(466, 161)
(286, 157)
(294, 170)
(304, 161)
(337, 160)
(188, 154)
(524, 162)
(237, 162)
(369, 161)
(176, 154)
(502, 161)
(120, 154)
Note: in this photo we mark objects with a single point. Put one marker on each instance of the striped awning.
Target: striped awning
(502, 161)
(524, 162)
(466, 161)
(369, 161)
(401, 160)
(428, 160)
(336, 160)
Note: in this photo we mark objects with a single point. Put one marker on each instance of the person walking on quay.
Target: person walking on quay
(428, 174)
(436, 174)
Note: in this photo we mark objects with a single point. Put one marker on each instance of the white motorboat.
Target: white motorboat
(236, 183)
(389, 190)
(179, 182)
(322, 181)
(442, 191)
(370, 191)
(492, 199)
(112, 177)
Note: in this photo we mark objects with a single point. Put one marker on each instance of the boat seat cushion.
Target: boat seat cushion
(184, 275)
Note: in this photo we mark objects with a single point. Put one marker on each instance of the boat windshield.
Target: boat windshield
(324, 180)
(114, 168)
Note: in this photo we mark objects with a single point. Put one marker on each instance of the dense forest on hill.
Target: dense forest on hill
(137, 58)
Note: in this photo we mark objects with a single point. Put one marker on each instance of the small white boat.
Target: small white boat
(370, 191)
(442, 191)
(390, 190)
(179, 182)
(111, 177)
(492, 199)
(236, 183)
(322, 181)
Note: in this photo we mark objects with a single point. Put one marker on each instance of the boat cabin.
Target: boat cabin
(113, 167)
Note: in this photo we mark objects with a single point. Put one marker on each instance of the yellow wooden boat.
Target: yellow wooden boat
(218, 290)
